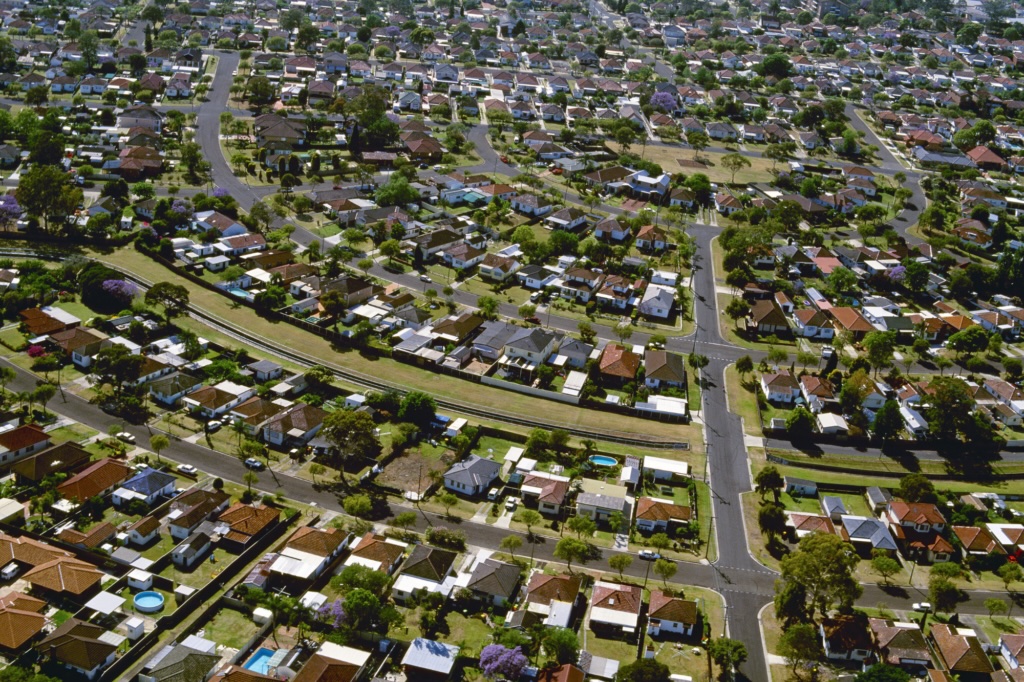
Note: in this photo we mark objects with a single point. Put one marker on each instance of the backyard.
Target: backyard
(230, 628)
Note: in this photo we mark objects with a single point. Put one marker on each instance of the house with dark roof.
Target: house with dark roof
(671, 615)
(22, 441)
(494, 581)
(766, 317)
(545, 490)
(244, 523)
(472, 476)
(81, 647)
(147, 486)
(64, 577)
(548, 600)
(427, 569)
(846, 638)
(170, 389)
(91, 539)
(53, 460)
(191, 549)
(663, 368)
(296, 425)
(900, 644)
(308, 553)
(181, 664)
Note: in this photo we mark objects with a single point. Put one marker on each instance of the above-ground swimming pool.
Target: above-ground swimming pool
(149, 601)
(260, 661)
(603, 461)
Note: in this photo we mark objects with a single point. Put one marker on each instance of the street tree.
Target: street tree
(620, 562)
(995, 606)
(800, 645)
(880, 347)
(885, 566)
(157, 443)
(665, 569)
(488, 306)
(737, 310)
(698, 140)
(1010, 573)
(943, 594)
(771, 520)
(359, 505)
(510, 543)
(583, 526)
(570, 550)
(447, 500)
(745, 365)
(727, 653)
(888, 421)
(529, 518)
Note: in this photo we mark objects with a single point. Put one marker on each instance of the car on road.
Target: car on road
(214, 426)
(533, 319)
(922, 606)
(511, 503)
(126, 437)
(648, 555)
(254, 464)
(424, 166)
(187, 469)
(425, 278)
(827, 351)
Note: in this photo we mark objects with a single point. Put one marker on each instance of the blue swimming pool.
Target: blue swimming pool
(240, 293)
(603, 461)
(260, 661)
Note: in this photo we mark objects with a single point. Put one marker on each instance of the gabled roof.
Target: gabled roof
(959, 653)
(77, 643)
(316, 541)
(93, 480)
(667, 607)
(664, 366)
(184, 664)
(566, 672)
(916, 512)
(619, 361)
(474, 471)
(376, 548)
(650, 509)
(616, 597)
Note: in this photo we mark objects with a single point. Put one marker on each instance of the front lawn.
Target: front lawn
(468, 632)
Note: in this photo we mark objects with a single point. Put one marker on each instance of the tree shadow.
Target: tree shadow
(895, 591)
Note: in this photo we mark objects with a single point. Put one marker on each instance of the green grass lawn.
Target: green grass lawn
(72, 432)
(202, 572)
(160, 548)
(470, 633)
(230, 628)
(13, 339)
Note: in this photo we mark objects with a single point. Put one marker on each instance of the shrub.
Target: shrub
(446, 537)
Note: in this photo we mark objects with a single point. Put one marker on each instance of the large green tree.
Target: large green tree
(823, 566)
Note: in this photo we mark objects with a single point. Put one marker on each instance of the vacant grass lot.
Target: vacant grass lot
(406, 376)
(230, 628)
(668, 158)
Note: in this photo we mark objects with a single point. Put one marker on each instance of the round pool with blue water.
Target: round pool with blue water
(603, 461)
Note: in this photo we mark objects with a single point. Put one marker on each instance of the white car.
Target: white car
(511, 503)
(214, 426)
(827, 351)
(425, 278)
(126, 437)
(922, 606)
(648, 555)
(187, 469)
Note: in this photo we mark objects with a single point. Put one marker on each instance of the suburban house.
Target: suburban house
(664, 368)
(547, 491)
(494, 581)
(471, 476)
(900, 644)
(600, 500)
(655, 515)
(428, 569)
(671, 615)
(961, 654)
(81, 647)
(426, 659)
(307, 554)
(846, 638)
(147, 486)
(616, 608)
(550, 599)
(377, 552)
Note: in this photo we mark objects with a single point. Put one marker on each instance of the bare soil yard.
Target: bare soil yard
(411, 470)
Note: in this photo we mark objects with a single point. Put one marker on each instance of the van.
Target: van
(492, 494)
(10, 571)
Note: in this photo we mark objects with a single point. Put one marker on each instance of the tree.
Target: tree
(823, 566)
(943, 594)
(745, 365)
(316, 469)
(46, 191)
(665, 569)
(488, 306)
(971, 340)
(570, 550)
(727, 653)
(248, 479)
(396, 192)
(117, 367)
(995, 606)
(586, 331)
(885, 566)
(358, 505)
(157, 443)
(405, 520)
(510, 543)
(660, 541)
(799, 645)
(447, 500)
(698, 140)
(734, 163)
(643, 670)
(769, 480)
(173, 297)
(620, 562)
(800, 424)
(916, 488)
(417, 408)
(771, 519)
(950, 410)
(1009, 573)
(498, 661)
(261, 90)
(352, 434)
(561, 644)
(529, 518)
(842, 280)
(880, 347)
(888, 422)
(583, 526)
(737, 310)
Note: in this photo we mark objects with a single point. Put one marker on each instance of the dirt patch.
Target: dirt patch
(633, 204)
(411, 471)
(691, 163)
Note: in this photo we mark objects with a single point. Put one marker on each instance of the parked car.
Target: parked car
(923, 606)
(126, 437)
(493, 494)
(511, 503)
(187, 469)
(214, 426)
(827, 351)
(254, 464)
(648, 555)
(425, 278)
